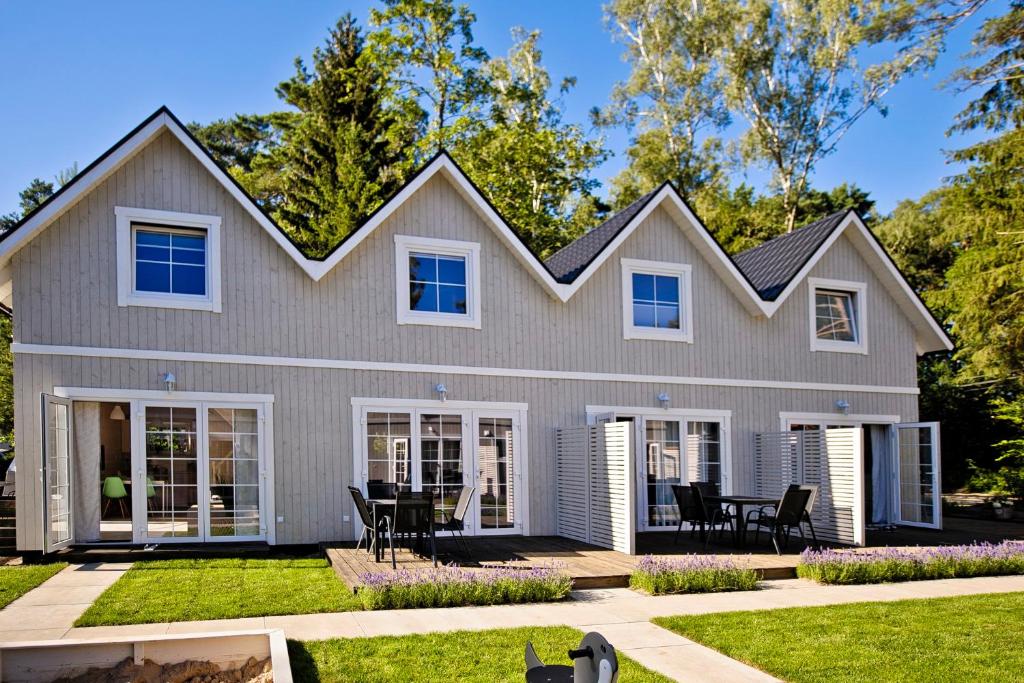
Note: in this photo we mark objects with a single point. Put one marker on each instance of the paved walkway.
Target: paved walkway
(620, 615)
(48, 611)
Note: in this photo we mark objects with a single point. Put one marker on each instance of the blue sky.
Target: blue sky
(76, 76)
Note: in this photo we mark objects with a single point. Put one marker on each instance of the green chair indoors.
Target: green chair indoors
(113, 489)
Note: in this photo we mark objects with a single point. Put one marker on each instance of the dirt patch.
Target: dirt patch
(127, 671)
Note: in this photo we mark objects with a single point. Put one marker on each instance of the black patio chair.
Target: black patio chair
(369, 533)
(412, 517)
(792, 511)
(455, 521)
(711, 514)
(687, 509)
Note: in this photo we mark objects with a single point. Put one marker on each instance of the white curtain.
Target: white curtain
(86, 468)
(881, 475)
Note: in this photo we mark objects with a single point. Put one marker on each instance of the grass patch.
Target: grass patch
(453, 587)
(942, 639)
(20, 579)
(911, 564)
(464, 656)
(691, 574)
(189, 590)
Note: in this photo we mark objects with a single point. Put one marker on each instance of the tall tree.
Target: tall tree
(792, 72)
(673, 100)
(427, 48)
(532, 165)
(346, 151)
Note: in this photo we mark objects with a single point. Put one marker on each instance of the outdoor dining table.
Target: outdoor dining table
(380, 507)
(739, 502)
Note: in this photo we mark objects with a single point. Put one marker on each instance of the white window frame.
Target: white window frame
(682, 271)
(126, 293)
(859, 292)
(407, 244)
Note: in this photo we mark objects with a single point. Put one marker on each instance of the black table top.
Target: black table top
(742, 499)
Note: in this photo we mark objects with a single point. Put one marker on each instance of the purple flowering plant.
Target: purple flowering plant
(454, 586)
(884, 565)
(691, 574)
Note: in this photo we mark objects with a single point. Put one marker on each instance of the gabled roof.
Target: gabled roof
(761, 278)
(572, 259)
(772, 265)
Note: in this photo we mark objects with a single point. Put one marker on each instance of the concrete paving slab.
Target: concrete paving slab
(62, 595)
(693, 662)
(207, 626)
(103, 632)
(317, 626)
(15, 617)
(32, 634)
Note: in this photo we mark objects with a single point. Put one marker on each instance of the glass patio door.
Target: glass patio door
(498, 473)
(199, 473)
(919, 488)
(56, 473)
(662, 467)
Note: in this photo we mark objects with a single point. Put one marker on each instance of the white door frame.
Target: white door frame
(470, 411)
(936, 474)
(139, 399)
(683, 415)
(49, 544)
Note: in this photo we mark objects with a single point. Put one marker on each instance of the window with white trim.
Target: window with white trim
(167, 259)
(837, 315)
(657, 300)
(437, 282)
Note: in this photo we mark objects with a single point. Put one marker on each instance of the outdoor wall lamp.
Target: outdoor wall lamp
(442, 392)
(170, 381)
(843, 406)
(664, 400)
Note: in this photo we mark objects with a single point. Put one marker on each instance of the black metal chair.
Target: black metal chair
(412, 516)
(369, 533)
(710, 514)
(791, 511)
(687, 509)
(455, 522)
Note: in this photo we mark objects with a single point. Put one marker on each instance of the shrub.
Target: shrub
(452, 586)
(911, 564)
(691, 574)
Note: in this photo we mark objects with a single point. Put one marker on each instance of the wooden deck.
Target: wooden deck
(589, 566)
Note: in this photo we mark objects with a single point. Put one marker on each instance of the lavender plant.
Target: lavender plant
(912, 564)
(691, 574)
(453, 586)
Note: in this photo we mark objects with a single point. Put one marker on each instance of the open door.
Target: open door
(918, 485)
(56, 473)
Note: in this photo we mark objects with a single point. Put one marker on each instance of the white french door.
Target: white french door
(918, 480)
(442, 449)
(198, 472)
(58, 528)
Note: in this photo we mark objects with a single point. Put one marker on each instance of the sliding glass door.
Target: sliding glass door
(199, 472)
(430, 449)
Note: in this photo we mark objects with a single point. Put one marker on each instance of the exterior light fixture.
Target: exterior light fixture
(843, 406)
(117, 413)
(170, 381)
(442, 392)
(664, 399)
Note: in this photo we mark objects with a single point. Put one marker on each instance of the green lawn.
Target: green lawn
(943, 639)
(188, 590)
(464, 656)
(20, 579)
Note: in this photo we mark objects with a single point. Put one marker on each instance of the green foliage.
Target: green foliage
(191, 590)
(1010, 475)
(465, 656)
(673, 99)
(15, 581)
(973, 638)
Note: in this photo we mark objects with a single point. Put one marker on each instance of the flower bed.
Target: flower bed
(691, 574)
(452, 586)
(912, 564)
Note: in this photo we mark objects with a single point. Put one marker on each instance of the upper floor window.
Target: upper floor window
(168, 259)
(837, 315)
(657, 301)
(437, 282)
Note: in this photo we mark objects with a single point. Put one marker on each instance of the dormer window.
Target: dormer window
(437, 282)
(656, 301)
(837, 315)
(167, 259)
